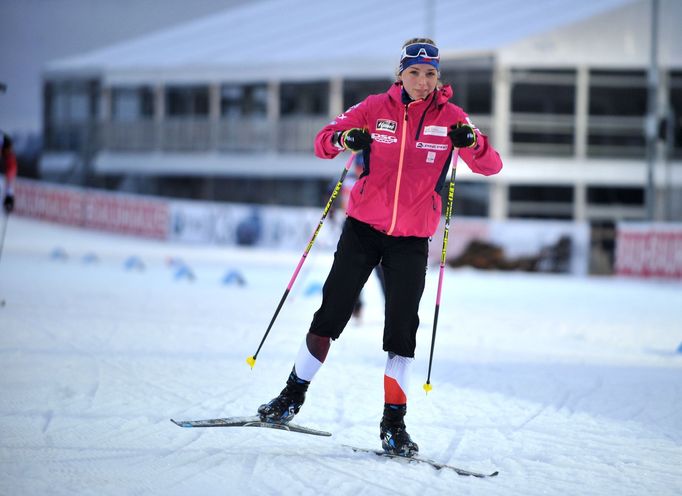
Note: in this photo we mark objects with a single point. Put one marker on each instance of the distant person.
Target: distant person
(407, 137)
(9, 161)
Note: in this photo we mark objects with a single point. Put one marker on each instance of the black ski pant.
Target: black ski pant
(403, 260)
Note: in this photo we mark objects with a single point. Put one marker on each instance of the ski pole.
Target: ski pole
(252, 359)
(446, 231)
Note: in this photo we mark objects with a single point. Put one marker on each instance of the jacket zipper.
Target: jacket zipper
(394, 217)
(421, 121)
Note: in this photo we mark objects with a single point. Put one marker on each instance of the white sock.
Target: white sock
(306, 364)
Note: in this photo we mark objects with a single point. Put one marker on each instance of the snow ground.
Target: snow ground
(565, 385)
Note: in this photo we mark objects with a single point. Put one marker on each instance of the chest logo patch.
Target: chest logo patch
(435, 131)
(431, 146)
(387, 125)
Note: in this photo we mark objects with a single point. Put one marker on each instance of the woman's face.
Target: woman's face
(419, 80)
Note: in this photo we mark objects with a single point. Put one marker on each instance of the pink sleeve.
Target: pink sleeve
(353, 117)
(483, 158)
(10, 166)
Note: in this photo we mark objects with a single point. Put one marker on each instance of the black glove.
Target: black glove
(8, 203)
(355, 139)
(462, 135)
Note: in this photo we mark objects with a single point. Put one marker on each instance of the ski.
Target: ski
(420, 459)
(254, 421)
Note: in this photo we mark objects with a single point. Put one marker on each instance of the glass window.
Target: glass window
(472, 87)
(243, 100)
(543, 108)
(304, 98)
(543, 98)
(185, 101)
(71, 101)
(617, 106)
(132, 104)
(355, 91)
(471, 198)
(71, 106)
(676, 107)
(603, 195)
(622, 93)
(541, 202)
(541, 193)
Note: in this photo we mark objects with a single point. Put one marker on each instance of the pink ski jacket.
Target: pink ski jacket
(407, 164)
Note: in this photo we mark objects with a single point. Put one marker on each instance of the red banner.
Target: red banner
(649, 250)
(114, 212)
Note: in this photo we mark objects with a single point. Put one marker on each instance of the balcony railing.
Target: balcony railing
(289, 134)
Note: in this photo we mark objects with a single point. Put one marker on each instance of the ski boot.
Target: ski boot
(284, 407)
(394, 438)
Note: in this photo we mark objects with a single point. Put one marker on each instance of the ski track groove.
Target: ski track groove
(355, 475)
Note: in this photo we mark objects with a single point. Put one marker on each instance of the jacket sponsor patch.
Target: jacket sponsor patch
(384, 138)
(431, 146)
(387, 125)
(435, 131)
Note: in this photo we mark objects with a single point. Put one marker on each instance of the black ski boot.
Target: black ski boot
(284, 407)
(394, 437)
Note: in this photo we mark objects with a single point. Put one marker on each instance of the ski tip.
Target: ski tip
(427, 387)
(180, 424)
(251, 361)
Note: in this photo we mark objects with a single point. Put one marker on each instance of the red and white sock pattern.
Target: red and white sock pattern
(395, 379)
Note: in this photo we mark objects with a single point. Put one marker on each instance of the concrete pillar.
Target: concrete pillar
(580, 202)
(499, 201)
(273, 113)
(104, 117)
(105, 104)
(214, 115)
(502, 110)
(582, 93)
(159, 113)
(336, 97)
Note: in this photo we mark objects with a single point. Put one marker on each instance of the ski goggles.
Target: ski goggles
(423, 50)
(419, 53)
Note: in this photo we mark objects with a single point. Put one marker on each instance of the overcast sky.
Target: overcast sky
(34, 32)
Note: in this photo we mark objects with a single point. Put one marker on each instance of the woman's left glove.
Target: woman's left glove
(462, 135)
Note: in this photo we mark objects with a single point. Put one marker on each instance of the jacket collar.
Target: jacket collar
(443, 94)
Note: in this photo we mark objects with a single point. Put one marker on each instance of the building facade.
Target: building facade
(567, 103)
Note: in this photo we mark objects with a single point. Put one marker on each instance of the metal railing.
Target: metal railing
(289, 134)
(550, 135)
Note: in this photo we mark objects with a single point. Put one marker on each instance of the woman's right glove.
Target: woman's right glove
(354, 139)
